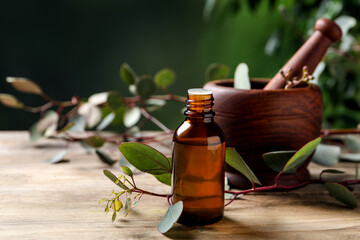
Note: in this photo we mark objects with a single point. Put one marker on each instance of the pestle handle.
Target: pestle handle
(310, 53)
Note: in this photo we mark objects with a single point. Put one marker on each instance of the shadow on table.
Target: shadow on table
(223, 229)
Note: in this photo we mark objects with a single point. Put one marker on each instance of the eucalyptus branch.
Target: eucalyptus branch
(327, 132)
(154, 120)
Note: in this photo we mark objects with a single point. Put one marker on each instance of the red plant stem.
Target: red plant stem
(138, 190)
(327, 132)
(285, 187)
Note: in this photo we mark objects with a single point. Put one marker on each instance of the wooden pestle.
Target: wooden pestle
(310, 53)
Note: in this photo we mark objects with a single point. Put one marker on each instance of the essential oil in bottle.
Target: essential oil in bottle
(198, 162)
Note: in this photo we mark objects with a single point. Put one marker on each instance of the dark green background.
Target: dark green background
(75, 47)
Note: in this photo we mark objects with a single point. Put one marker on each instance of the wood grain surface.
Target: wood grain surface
(43, 201)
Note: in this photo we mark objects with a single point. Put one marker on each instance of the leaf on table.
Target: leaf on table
(10, 101)
(241, 78)
(58, 158)
(98, 98)
(131, 116)
(326, 155)
(352, 157)
(164, 78)
(342, 194)
(171, 217)
(114, 179)
(95, 141)
(235, 160)
(216, 71)
(352, 142)
(277, 160)
(24, 85)
(104, 157)
(300, 156)
(164, 178)
(145, 158)
(229, 196)
(145, 86)
(106, 121)
(127, 74)
(334, 171)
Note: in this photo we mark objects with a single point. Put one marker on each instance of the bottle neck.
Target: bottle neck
(199, 107)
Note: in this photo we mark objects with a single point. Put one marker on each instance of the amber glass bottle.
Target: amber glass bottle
(198, 162)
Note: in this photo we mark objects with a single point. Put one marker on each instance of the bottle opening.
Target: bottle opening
(199, 91)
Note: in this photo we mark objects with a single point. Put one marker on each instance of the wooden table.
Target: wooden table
(39, 200)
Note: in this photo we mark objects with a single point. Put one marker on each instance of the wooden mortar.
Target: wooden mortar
(257, 121)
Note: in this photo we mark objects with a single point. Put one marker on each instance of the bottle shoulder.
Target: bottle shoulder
(199, 133)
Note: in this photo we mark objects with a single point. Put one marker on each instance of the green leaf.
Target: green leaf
(164, 178)
(235, 160)
(277, 160)
(95, 141)
(118, 205)
(216, 71)
(127, 207)
(352, 157)
(124, 162)
(127, 171)
(66, 128)
(46, 124)
(154, 104)
(114, 179)
(104, 157)
(145, 86)
(131, 116)
(164, 78)
(300, 156)
(79, 123)
(24, 85)
(113, 216)
(342, 194)
(145, 158)
(114, 100)
(58, 158)
(10, 101)
(127, 74)
(334, 171)
(171, 217)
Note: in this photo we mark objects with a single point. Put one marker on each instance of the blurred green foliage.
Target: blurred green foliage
(76, 47)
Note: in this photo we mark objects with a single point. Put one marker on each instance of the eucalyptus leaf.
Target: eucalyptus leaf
(146, 158)
(91, 113)
(300, 156)
(57, 158)
(118, 205)
(24, 85)
(164, 178)
(38, 129)
(98, 98)
(127, 74)
(104, 157)
(115, 100)
(342, 194)
(95, 141)
(131, 116)
(114, 179)
(127, 207)
(327, 155)
(10, 101)
(113, 216)
(171, 217)
(352, 157)
(106, 121)
(164, 78)
(235, 160)
(127, 171)
(145, 86)
(119, 115)
(79, 122)
(154, 104)
(277, 160)
(87, 147)
(124, 162)
(333, 171)
(352, 142)
(241, 79)
(216, 71)
(230, 196)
